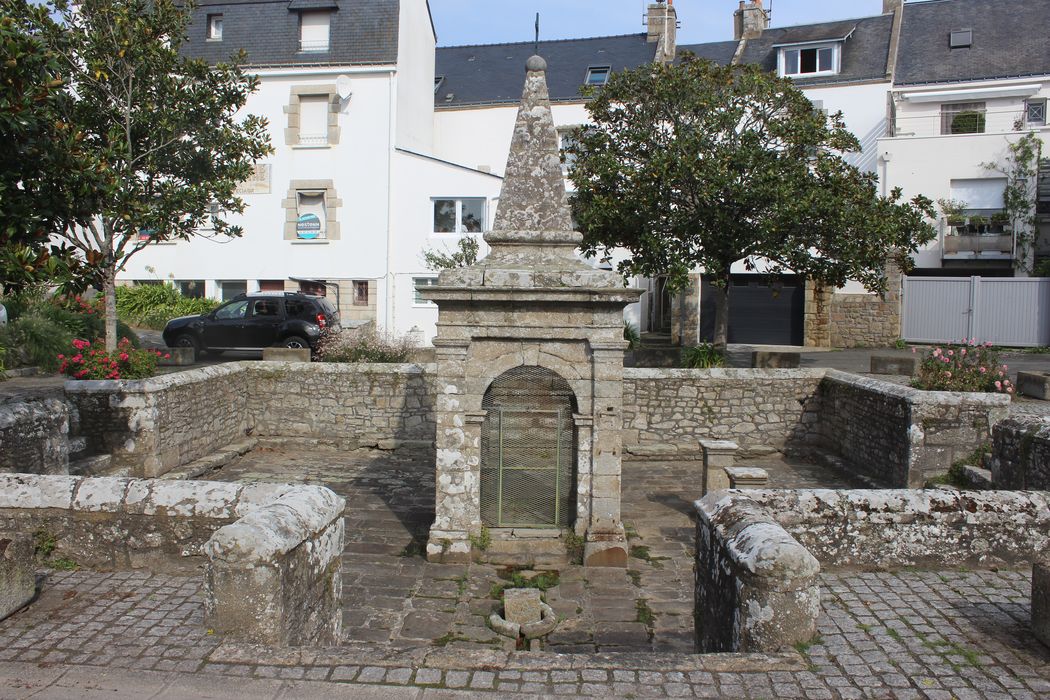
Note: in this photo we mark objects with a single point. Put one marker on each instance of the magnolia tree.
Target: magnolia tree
(164, 130)
(695, 165)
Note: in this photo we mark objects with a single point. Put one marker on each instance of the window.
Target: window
(313, 31)
(814, 60)
(360, 293)
(299, 309)
(232, 289)
(266, 308)
(214, 27)
(459, 215)
(233, 310)
(313, 216)
(419, 283)
(193, 289)
(313, 120)
(317, 288)
(963, 118)
(271, 285)
(567, 138)
(598, 75)
(1035, 112)
(961, 39)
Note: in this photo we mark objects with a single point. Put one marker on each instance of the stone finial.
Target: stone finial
(533, 207)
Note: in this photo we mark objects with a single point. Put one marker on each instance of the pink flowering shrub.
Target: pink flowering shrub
(126, 362)
(968, 366)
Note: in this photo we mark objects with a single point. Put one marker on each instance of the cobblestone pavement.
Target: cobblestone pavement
(888, 635)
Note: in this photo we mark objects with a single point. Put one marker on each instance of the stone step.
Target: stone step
(77, 448)
(216, 460)
(96, 465)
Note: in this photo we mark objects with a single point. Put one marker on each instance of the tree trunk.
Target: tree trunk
(109, 292)
(722, 312)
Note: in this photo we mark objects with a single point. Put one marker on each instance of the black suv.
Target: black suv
(255, 321)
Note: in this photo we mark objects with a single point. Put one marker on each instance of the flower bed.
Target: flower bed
(967, 366)
(126, 362)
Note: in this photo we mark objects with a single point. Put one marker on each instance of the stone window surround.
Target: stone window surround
(291, 208)
(291, 134)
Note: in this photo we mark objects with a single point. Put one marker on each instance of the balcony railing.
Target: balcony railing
(313, 139)
(313, 46)
(983, 243)
(932, 123)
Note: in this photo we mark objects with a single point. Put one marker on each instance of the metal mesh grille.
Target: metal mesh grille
(528, 450)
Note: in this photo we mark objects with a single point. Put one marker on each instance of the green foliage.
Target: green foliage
(514, 578)
(703, 356)
(36, 341)
(482, 541)
(963, 367)
(644, 612)
(574, 546)
(465, 255)
(631, 335)
(1021, 168)
(694, 165)
(900, 344)
(86, 362)
(970, 122)
(44, 543)
(162, 131)
(365, 346)
(1042, 269)
(153, 305)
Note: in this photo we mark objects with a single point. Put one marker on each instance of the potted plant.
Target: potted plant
(954, 213)
(1001, 220)
(979, 224)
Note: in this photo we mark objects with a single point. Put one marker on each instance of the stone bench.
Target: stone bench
(1034, 384)
(747, 477)
(270, 552)
(718, 454)
(894, 364)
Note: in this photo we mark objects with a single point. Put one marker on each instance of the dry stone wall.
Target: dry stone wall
(34, 437)
(1021, 454)
(760, 410)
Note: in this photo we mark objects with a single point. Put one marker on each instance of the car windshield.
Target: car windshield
(235, 309)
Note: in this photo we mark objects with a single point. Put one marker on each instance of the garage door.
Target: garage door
(761, 312)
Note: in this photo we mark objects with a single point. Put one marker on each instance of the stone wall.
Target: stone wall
(838, 320)
(760, 410)
(34, 437)
(151, 426)
(932, 528)
(898, 436)
(271, 552)
(341, 405)
(1021, 454)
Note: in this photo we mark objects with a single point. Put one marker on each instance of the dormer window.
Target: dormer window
(961, 39)
(214, 27)
(809, 60)
(314, 31)
(598, 75)
(437, 83)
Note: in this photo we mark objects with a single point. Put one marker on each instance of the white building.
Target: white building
(386, 145)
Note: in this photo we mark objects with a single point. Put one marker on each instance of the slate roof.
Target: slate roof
(865, 53)
(720, 52)
(1009, 40)
(361, 32)
(494, 73)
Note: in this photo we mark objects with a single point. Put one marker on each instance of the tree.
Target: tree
(465, 255)
(695, 165)
(48, 179)
(163, 129)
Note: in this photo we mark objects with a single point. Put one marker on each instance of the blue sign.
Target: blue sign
(308, 226)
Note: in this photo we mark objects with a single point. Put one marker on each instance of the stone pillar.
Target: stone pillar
(817, 315)
(457, 494)
(718, 454)
(606, 543)
(685, 313)
(17, 573)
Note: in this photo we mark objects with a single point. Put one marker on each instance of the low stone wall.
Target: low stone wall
(757, 551)
(270, 552)
(34, 437)
(151, 426)
(930, 528)
(1021, 454)
(899, 436)
(346, 405)
(756, 587)
(760, 410)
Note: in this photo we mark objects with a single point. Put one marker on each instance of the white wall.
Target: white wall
(415, 76)
(864, 109)
(262, 252)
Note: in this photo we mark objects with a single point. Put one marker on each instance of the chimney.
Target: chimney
(889, 7)
(663, 30)
(750, 20)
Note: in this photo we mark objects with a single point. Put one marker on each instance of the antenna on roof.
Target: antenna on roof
(536, 47)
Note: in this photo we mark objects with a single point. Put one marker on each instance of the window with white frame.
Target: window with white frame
(465, 215)
(313, 120)
(214, 27)
(419, 284)
(1035, 112)
(963, 118)
(313, 215)
(809, 60)
(598, 75)
(314, 31)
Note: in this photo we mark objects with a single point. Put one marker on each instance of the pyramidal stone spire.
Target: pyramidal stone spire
(533, 206)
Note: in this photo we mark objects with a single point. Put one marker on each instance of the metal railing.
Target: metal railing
(313, 45)
(313, 139)
(981, 243)
(933, 123)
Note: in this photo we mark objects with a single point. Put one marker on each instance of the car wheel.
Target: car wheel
(188, 341)
(296, 343)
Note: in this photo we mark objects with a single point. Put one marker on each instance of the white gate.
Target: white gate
(1004, 311)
